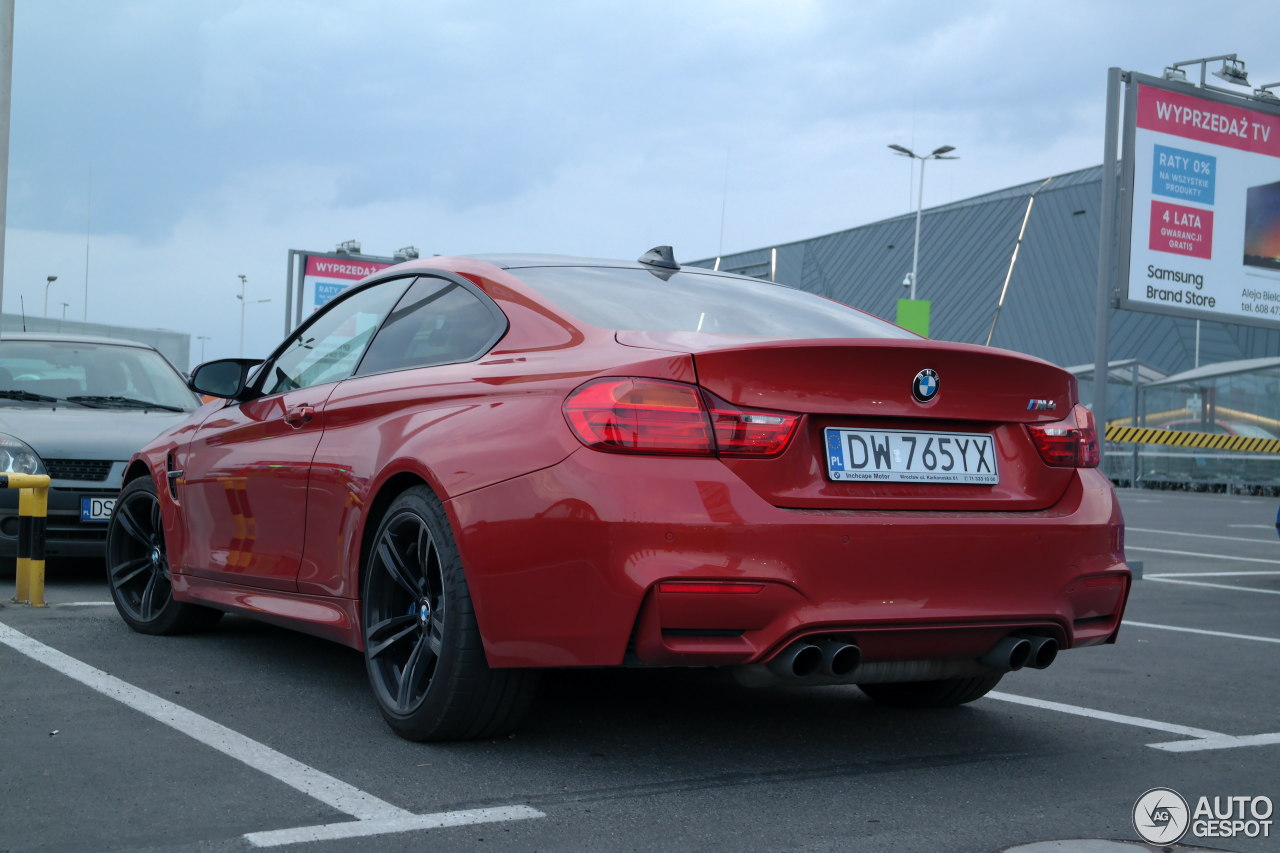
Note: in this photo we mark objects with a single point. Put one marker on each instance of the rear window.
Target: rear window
(638, 300)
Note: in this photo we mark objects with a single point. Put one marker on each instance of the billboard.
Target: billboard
(324, 277)
(1200, 236)
(315, 278)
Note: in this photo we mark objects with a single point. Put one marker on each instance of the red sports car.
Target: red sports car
(474, 468)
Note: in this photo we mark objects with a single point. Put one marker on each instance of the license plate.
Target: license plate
(96, 509)
(904, 456)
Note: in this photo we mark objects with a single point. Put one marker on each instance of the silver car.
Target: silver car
(76, 408)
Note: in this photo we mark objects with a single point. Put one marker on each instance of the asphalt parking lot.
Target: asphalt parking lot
(254, 737)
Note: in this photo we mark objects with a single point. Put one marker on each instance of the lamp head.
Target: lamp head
(1232, 71)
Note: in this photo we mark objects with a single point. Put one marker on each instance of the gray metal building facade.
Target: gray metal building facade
(965, 248)
(175, 346)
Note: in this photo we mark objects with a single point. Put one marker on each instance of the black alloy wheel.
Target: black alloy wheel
(406, 599)
(422, 646)
(138, 567)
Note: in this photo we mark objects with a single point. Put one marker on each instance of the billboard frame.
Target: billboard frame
(295, 286)
(1128, 195)
(1115, 255)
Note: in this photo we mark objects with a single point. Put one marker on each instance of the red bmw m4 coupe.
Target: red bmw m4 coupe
(473, 468)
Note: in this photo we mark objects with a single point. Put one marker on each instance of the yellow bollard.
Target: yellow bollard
(22, 570)
(33, 509)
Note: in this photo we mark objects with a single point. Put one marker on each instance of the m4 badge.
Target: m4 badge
(1034, 405)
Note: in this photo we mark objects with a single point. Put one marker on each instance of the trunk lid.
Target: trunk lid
(867, 385)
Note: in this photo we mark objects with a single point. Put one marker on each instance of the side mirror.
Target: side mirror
(227, 377)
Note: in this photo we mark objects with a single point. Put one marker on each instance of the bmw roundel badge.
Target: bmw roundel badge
(925, 386)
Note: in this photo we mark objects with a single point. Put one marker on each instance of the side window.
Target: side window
(437, 322)
(328, 348)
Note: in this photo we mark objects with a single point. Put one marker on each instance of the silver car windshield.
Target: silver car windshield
(61, 370)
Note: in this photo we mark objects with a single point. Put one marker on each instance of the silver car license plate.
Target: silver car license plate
(907, 456)
(96, 509)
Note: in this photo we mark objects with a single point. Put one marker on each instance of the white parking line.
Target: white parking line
(1129, 529)
(1129, 547)
(1124, 719)
(374, 815)
(1159, 579)
(363, 828)
(1222, 742)
(1201, 739)
(1128, 495)
(295, 774)
(1203, 631)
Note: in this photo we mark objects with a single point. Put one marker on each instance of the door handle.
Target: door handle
(299, 415)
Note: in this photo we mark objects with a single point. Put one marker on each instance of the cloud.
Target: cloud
(202, 140)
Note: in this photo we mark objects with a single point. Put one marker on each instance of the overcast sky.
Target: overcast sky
(184, 142)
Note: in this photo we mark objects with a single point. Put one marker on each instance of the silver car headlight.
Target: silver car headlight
(17, 457)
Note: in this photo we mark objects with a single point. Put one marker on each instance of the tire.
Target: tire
(138, 567)
(422, 646)
(946, 693)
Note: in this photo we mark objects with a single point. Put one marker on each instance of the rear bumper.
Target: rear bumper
(564, 566)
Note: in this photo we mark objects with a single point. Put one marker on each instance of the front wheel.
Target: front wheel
(944, 693)
(422, 646)
(138, 567)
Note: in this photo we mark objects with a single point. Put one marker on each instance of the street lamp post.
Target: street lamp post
(202, 339)
(48, 281)
(936, 154)
(243, 281)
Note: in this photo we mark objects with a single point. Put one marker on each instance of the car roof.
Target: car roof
(57, 337)
(515, 261)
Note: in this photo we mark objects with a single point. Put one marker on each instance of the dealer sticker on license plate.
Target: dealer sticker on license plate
(96, 509)
(904, 456)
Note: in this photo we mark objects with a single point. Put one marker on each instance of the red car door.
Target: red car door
(245, 471)
(244, 488)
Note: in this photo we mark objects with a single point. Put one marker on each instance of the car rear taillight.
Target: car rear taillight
(640, 416)
(634, 415)
(746, 432)
(1068, 443)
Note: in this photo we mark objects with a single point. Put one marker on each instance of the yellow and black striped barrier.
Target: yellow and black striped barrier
(1178, 438)
(33, 509)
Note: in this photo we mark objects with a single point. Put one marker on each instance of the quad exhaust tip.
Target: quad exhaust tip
(797, 661)
(839, 658)
(1013, 653)
(1044, 651)
(833, 661)
(831, 658)
(1009, 655)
